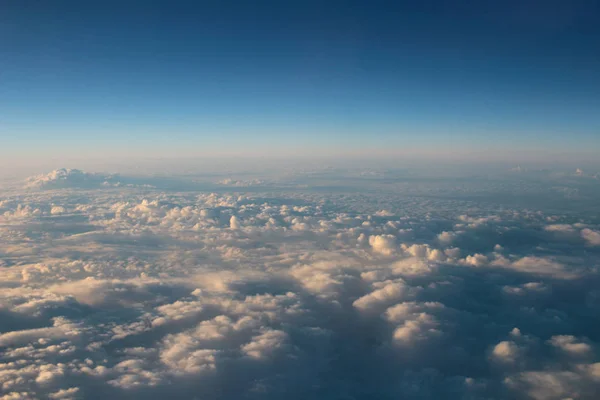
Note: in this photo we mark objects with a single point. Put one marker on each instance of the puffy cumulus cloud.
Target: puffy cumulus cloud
(321, 284)
(543, 266)
(424, 251)
(383, 244)
(328, 275)
(223, 339)
(67, 178)
(415, 322)
(234, 223)
(560, 228)
(61, 328)
(182, 357)
(591, 237)
(109, 292)
(264, 344)
(412, 266)
(57, 210)
(65, 394)
(505, 351)
(385, 293)
(532, 265)
(477, 221)
(179, 310)
(571, 345)
(582, 383)
(447, 237)
(18, 396)
(23, 211)
(476, 260)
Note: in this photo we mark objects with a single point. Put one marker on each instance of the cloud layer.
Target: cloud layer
(321, 288)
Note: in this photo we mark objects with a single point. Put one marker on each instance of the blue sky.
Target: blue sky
(162, 77)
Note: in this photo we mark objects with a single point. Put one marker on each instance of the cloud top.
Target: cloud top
(322, 288)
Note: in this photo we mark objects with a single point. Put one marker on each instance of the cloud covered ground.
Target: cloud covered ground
(321, 284)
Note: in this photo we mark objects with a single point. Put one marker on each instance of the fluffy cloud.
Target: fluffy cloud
(571, 345)
(67, 178)
(384, 244)
(505, 351)
(64, 394)
(591, 237)
(414, 322)
(61, 329)
(385, 293)
(312, 285)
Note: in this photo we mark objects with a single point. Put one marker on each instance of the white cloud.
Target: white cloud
(265, 344)
(234, 222)
(66, 177)
(141, 292)
(446, 237)
(477, 260)
(64, 394)
(415, 322)
(383, 244)
(413, 266)
(388, 292)
(506, 352)
(542, 266)
(61, 329)
(560, 228)
(18, 396)
(541, 385)
(591, 237)
(571, 345)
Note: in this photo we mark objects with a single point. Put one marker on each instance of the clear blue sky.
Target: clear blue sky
(86, 76)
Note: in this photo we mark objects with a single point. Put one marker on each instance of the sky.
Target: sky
(300, 200)
(158, 78)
